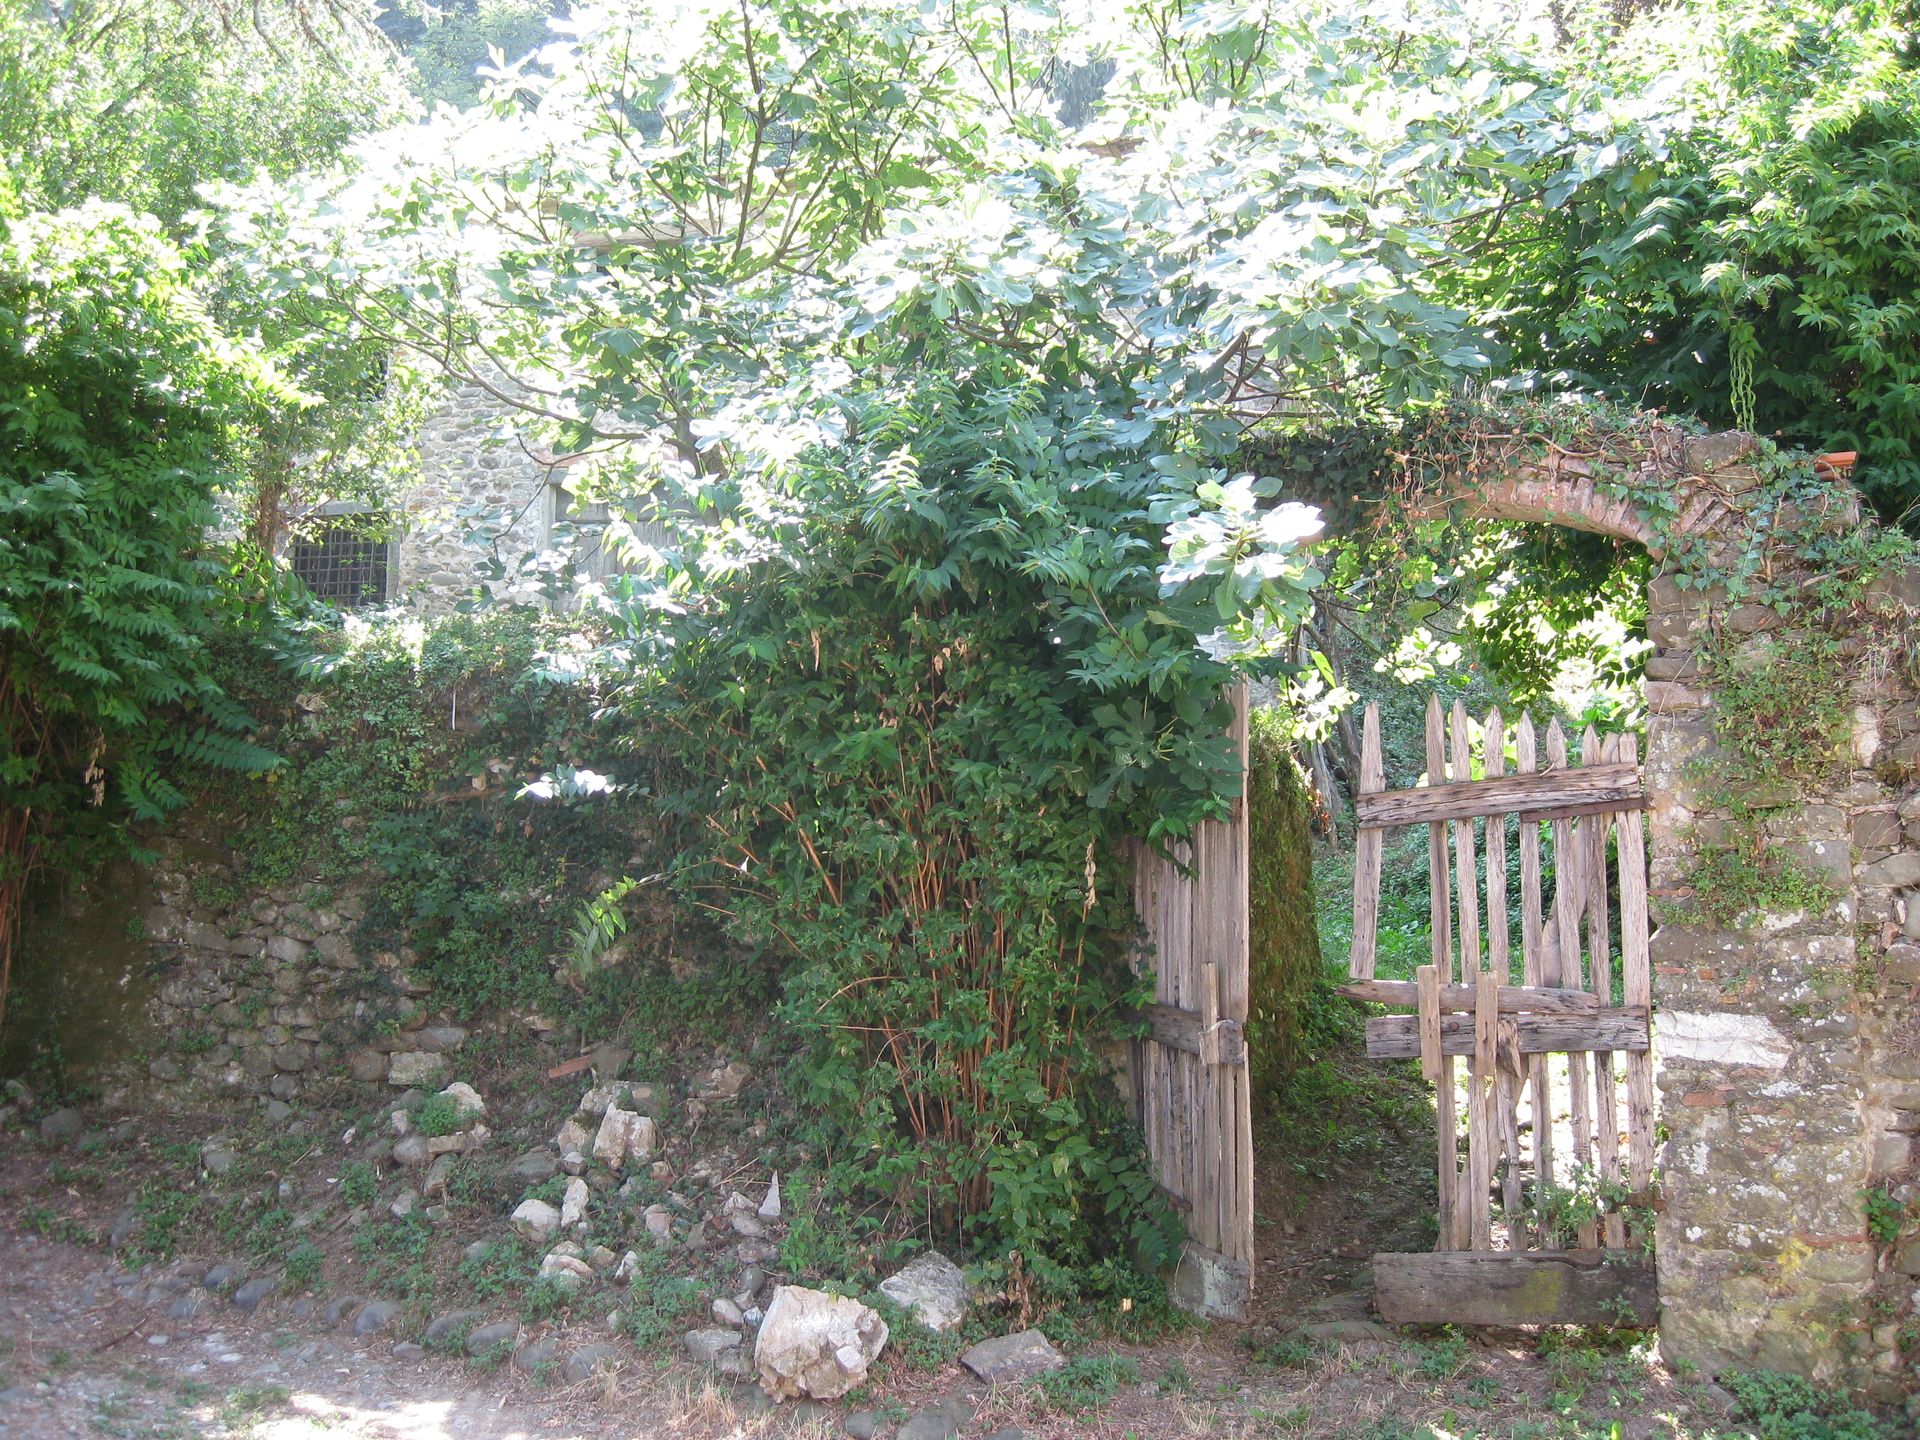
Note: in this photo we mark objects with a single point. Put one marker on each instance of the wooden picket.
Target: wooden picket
(1554, 1036)
(1191, 1089)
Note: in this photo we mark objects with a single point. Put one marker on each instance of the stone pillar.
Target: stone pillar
(1788, 1054)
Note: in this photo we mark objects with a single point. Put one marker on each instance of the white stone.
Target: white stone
(932, 1289)
(623, 1136)
(629, 1262)
(536, 1220)
(1720, 1039)
(816, 1345)
(575, 1134)
(573, 1205)
(567, 1271)
(770, 1207)
(466, 1099)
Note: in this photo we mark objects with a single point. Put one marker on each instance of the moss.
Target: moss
(1286, 960)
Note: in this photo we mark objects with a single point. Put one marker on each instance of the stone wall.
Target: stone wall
(268, 994)
(473, 470)
(1788, 1054)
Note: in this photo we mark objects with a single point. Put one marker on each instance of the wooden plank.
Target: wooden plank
(1483, 1136)
(1440, 1075)
(1530, 794)
(1182, 1030)
(1447, 1135)
(1533, 963)
(1606, 1109)
(1636, 980)
(1506, 1099)
(1440, 900)
(1514, 999)
(1235, 999)
(1397, 1037)
(1465, 860)
(1569, 893)
(1510, 1288)
(1366, 859)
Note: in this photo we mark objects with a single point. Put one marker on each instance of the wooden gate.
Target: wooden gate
(1191, 1089)
(1567, 1241)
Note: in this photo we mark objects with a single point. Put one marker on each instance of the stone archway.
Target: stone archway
(1788, 1053)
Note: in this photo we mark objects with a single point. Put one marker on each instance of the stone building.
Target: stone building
(487, 509)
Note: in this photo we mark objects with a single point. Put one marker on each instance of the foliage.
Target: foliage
(141, 105)
(1748, 259)
(1284, 941)
(450, 46)
(1887, 1216)
(118, 406)
(1786, 1407)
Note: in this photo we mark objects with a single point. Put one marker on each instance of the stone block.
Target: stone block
(1894, 872)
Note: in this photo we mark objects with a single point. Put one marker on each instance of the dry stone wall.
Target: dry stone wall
(1788, 1053)
(268, 994)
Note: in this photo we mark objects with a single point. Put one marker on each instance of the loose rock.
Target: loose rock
(375, 1316)
(249, 1295)
(622, 1136)
(573, 1206)
(704, 1347)
(933, 1290)
(567, 1271)
(446, 1329)
(588, 1361)
(1008, 1359)
(938, 1422)
(485, 1339)
(416, 1067)
(62, 1124)
(816, 1345)
(535, 1220)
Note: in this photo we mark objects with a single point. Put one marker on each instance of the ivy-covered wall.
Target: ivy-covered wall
(1785, 829)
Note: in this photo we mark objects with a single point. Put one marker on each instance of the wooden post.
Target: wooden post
(1506, 1101)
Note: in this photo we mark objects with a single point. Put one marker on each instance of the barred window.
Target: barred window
(345, 567)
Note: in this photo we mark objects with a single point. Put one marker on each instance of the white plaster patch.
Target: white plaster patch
(1720, 1039)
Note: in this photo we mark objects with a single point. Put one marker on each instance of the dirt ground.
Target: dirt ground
(78, 1356)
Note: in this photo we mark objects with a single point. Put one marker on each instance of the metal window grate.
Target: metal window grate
(345, 567)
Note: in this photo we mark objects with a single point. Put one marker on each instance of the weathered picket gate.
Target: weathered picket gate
(1555, 1033)
(1191, 1090)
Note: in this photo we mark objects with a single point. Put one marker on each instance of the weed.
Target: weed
(1087, 1382)
(303, 1264)
(359, 1183)
(63, 1228)
(911, 1343)
(489, 1270)
(657, 1300)
(1289, 1352)
(439, 1115)
(1886, 1215)
(1444, 1358)
(1785, 1407)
